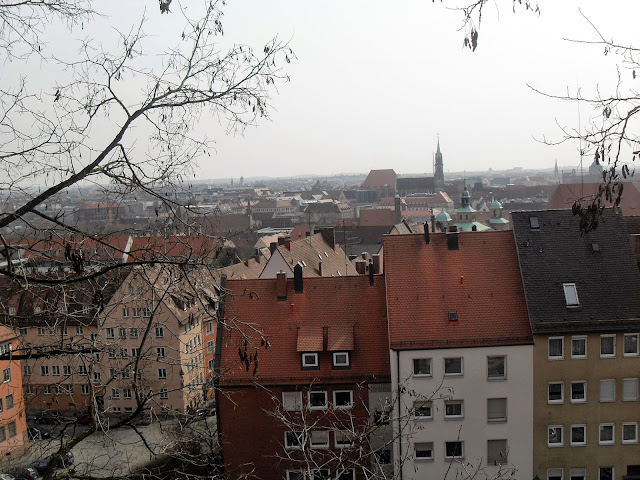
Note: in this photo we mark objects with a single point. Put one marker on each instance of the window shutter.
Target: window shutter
(607, 390)
(630, 389)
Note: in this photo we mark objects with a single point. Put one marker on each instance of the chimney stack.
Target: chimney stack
(320, 268)
(272, 247)
(280, 241)
(281, 285)
(376, 262)
(361, 266)
(398, 209)
(328, 234)
(452, 238)
(297, 278)
(426, 233)
(371, 273)
(287, 243)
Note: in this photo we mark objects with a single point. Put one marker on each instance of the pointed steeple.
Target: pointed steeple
(438, 169)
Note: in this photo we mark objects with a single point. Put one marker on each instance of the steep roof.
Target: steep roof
(377, 179)
(330, 312)
(606, 277)
(377, 217)
(191, 248)
(567, 193)
(480, 282)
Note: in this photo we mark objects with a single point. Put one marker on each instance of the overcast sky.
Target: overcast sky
(376, 82)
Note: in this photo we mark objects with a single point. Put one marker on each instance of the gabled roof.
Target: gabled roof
(480, 282)
(377, 217)
(377, 179)
(567, 193)
(332, 313)
(606, 276)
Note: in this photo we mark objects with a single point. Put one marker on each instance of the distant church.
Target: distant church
(413, 185)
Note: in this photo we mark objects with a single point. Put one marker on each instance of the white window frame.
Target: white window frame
(44, 370)
(338, 435)
(504, 459)
(162, 373)
(416, 408)
(608, 381)
(583, 427)
(504, 368)
(578, 472)
(497, 419)
(110, 333)
(573, 290)
(310, 360)
(613, 434)
(295, 475)
(555, 473)
(551, 444)
(584, 398)
(341, 364)
(625, 387)
(326, 401)
(295, 446)
(629, 424)
(555, 401)
(611, 472)
(429, 362)
(608, 355)
(292, 401)
(453, 374)
(452, 403)
(161, 352)
(581, 338)
(451, 458)
(343, 407)
(425, 446)
(319, 439)
(555, 357)
(164, 393)
(624, 345)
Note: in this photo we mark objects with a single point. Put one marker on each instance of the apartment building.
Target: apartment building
(13, 427)
(584, 308)
(461, 355)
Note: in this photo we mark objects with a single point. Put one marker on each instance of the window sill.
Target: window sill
(555, 445)
(423, 419)
(496, 379)
(423, 460)
(497, 420)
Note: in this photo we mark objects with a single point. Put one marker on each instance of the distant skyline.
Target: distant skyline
(375, 83)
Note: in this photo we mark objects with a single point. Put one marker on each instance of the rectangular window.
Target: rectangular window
(68, 389)
(556, 392)
(46, 389)
(159, 331)
(79, 330)
(160, 352)
(578, 473)
(44, 370)
(66, 370)
(341, 360)
(496, 410)
(162, 373)
(84, 389)
(453, 366)
(607, 346)
(453, 409)
(164, 393)
(110, 333)
(343, 439)
(209, 328)
(295, 475)
(111, 353)
(9, 401)
(115, 393)
(26, 370)
(422, 366)
(42, 331)
(122, 332)
(210, 346)
(55, 370)
(292, 401)
(126, 393)
(3, 434)
(578, 435)
(58, 389)
(629, 432)
(146, 312)
(6, 375)
(310, 360)
(133, 333)
(293, 440)
(125, 312)
(422, 410)
(1, 405)
(556, 348)
(554, 438)
(605, 473)
(124, 352)
(319, 439)
(82, 370)
(630, 344)
(423, 451)
(136, 311)
(630, 389)
(13, 431)
(343, 399)
(607, 434)
(608, 390)
(578, 392)
(570, 294)
(97, 376)
(496, 452)
(497, 367)
(347, 474)
(317, 400)
(578, 347)
(453, 450)
(30, 390)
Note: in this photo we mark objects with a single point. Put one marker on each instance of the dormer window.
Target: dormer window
(341, 360)
(310, 360)
(570, 294)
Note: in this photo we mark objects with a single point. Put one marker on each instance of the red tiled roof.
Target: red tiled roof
(480, 281)
(377, 179)
(179, 247)
(340, 338)
(377, 217)
(338, 304)
(313, 250)
(567, 193)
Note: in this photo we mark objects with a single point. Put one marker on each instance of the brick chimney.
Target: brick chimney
(398, 208)
(297, 279)
(272, 247)
(376, 262)
(329, 236)
(281, 285)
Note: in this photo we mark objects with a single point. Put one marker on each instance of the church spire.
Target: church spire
(438, 170)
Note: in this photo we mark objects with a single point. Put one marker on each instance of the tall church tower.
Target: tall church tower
(438, 171)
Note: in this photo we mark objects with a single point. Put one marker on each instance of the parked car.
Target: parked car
(83, 419)
(41, 465)
(37, 434)
(6, 476)
(24, 473)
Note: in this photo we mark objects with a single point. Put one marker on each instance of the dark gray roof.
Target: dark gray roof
(600, 263)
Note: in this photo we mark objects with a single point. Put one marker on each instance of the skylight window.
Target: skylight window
(533, 221)
(453, 316)
(570, 294)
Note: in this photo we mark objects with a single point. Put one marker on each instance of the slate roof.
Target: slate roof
(567, 193)
(607, 280)
(331, 313)
(377, 179)
(480, 281)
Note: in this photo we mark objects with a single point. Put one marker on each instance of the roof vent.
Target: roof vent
(535, 224)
